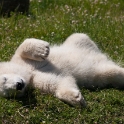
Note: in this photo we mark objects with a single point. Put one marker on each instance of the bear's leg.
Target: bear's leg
(109, 76)
(63, 87)
(80, 40)
(33, 49)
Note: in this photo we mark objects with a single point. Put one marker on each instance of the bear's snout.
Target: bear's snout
(20, 85)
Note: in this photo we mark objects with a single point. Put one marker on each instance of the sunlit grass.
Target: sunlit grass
(54, 21)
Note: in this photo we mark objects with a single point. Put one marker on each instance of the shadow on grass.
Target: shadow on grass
(28, 99)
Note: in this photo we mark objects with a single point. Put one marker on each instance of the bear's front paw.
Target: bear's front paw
(72, 97)
(36, 49)
(41, 52)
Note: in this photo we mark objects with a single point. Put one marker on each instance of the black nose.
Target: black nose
(20, 86)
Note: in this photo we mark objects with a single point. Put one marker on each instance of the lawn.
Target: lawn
(54, 21)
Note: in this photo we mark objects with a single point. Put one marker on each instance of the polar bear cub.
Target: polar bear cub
(60, 69)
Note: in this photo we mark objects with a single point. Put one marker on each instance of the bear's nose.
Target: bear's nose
(20, 85)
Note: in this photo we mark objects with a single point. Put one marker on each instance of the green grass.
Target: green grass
(53, 21)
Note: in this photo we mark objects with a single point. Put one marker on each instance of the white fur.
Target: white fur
(77, 62)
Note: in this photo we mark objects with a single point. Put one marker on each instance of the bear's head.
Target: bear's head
(14, 79)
